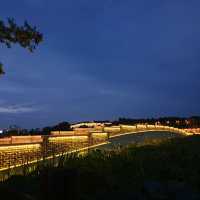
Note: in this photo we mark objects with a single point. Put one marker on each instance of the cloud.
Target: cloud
(17, 109)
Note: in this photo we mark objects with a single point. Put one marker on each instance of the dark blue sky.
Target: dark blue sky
(102, 59)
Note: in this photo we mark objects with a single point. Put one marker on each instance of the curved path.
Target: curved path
(138, 138)
(120, 139)
(17, 154)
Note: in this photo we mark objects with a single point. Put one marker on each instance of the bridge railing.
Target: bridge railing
(21, 150)
(124, 129)
(21, 140)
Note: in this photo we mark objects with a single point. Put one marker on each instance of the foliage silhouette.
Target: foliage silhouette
(26, 36)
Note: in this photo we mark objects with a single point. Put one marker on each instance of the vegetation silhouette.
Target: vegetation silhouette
(148, 170)
(25, 35)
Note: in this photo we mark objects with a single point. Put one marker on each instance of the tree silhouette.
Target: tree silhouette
(26, 36)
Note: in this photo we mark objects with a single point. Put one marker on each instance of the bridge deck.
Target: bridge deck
(22, 150)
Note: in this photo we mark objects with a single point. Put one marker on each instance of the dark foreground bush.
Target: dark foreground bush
(164, 170)
(11, 194)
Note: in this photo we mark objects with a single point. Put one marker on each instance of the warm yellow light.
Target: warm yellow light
(68, 138)
(18, 147)
(99, 135)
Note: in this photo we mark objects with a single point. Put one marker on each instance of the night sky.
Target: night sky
(102, 59)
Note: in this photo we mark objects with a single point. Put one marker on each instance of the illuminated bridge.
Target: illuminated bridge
(17, 151)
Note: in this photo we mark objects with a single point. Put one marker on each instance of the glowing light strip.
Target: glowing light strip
(143, 131)
(100, 135)
(77, 150)
(72, 138)
(24, 146)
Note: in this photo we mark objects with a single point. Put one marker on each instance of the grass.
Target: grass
(113, 174)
